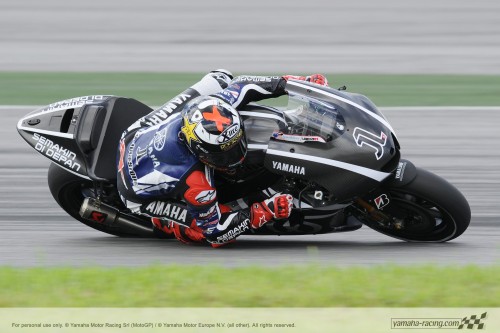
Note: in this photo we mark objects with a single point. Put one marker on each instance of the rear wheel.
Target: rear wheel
(428, 209)
(70, 190)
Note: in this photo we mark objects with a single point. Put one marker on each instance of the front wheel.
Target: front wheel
(428, 209)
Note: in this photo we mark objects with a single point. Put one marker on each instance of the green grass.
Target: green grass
(210, 286)
(156, 88)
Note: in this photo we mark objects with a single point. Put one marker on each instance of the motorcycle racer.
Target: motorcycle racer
(169, 156)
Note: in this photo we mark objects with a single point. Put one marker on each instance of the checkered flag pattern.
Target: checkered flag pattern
(472, 321)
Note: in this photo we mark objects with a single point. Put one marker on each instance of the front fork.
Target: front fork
(371, 214)
(371, 210)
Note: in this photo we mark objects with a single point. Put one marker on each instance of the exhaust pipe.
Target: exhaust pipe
(99, 212)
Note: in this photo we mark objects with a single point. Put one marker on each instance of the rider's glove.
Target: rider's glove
(277, 207)
(318, 79)
(314, 78)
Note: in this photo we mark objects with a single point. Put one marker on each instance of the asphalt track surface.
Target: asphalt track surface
(349, 36)
(356, 36)
(458, 144)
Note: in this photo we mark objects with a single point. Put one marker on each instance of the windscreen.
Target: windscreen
(307, 116)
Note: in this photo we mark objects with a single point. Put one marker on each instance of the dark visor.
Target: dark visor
(227, 159)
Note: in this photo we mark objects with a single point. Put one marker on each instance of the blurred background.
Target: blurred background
(354, 36)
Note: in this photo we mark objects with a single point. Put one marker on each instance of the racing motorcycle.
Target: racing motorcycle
(332, 150)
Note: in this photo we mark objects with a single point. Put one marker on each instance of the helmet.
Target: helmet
(213, 131)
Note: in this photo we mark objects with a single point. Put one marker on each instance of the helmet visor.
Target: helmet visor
(227, 159)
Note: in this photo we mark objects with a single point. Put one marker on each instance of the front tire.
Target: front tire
(428, 208)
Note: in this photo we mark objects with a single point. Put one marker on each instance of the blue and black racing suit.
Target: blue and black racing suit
(160, 178)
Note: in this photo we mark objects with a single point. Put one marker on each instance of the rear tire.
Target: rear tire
(432, 210)
(69, 191)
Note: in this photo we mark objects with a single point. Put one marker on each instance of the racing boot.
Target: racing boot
(190, 235)
(182, 233)
(216, 246)
(163, 225)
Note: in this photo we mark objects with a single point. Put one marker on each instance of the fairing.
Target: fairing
(81, 134)
(339, 141)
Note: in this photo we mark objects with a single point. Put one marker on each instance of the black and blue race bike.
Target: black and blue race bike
(332, 150)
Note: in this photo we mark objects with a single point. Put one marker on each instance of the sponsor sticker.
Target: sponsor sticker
(296, 169)
(382, 201)
(188, 130)
(297, 138)
(233, 233)
(98, 216)
(159, 139)
(248, 78)
(400, 171)
(56, 152)
(205, 196)
(166, 110)
(234, 140)
(167, 210)
(229, 133)
(74, 102)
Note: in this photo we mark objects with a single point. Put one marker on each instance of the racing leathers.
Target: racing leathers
(159, 177)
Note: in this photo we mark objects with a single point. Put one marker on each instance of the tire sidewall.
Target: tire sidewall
(442, 194)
